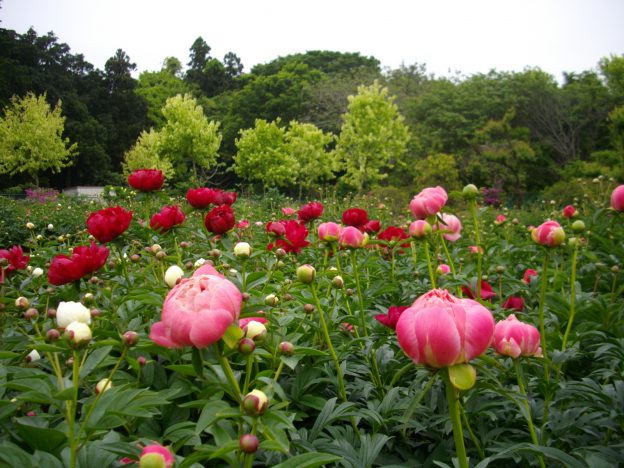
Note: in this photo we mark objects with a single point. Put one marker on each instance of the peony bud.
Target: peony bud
(420, 229)
(248, 443)
(308, 308)
(173, 274)
(280, 253)
(470, 191)
(30, 226)
(156, 456)
(33, 356)
(36, 272)
(337, 282)
(22, 303)
(103, 385)
(255, 330)
(287, 348)
(130, 338)
(306, 274)
(242, 249)
(141, 361)
(246, 346)
(160, 255)
(78, 333)
(271, 300)
(578, 226)
(68, 312)
(155, 248)
(255, 403)
(52, 335)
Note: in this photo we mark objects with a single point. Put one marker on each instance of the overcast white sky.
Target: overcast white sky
(469, 36)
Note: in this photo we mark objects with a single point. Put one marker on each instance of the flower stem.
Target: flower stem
(229, 374)
(572, 299)
(475, 222)
(71, 412)
(429, 266)
(527, 409)
(540, 310)
(453, 406)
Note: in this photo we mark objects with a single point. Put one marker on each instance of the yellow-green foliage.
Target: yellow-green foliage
(145, 155)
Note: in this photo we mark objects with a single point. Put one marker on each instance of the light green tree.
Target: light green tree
(145, 154)
(437, 169)
(156, 88)
(31, 138)
(373, 136)
(188, 139)
(263, 156)
(307, 144)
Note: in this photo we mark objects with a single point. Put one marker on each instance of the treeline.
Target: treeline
(517, 131)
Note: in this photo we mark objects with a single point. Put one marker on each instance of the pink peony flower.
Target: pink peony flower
(287, 211)
(528, 274)
(428, 202)
(569, 211)
(549, 234)
(352, 237)
(450, 227)
(372, 227)
(198, 310)
(443, 269)
(617, 198)
(420, 229)
(156, 455)
(441, 330)
(329, 232)
(515, 338)
(500, 219)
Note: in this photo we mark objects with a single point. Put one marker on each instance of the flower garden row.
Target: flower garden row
(213, 336)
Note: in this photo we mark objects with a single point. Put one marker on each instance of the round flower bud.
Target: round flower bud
(135, 258)
(287, 348)
(52, 335)
(68, 312)
(30, 226)
(185, 244)
(242, 249)
(78, 333)
(103, 385)
(22, 303)
(246, 346)
(161, 254)
(88, 298)
(271, 300)
(248, 443)
(141, 361)
(255, 330)
(337, 282)
(31, 314)
(155, 248)
(306, 274)
(199, 262)
(308, 308)
(255, 403)
(173, 274)
(280, 253)
(420, 229)
(36, 272)
(470, 191)
(130, 338)
(33, 356)
(156, 456)
(578, 226)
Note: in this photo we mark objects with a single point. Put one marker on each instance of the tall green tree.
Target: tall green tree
(263, 156)
(373, 137)
(156, 88)
(146, 154)
(31, 138)
(188, 139)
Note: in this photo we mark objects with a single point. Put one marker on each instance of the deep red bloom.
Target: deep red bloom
(16, 258)
(310, 212)
(84, 260)
(373, 226)
(146, 180)
(220, 219)
(168, 217)
(276, 228)
(393, 234)
(487, 292)
(203, 197)
(356, 217)
(515, 303)
(226, 198)
(392, 317)
(569, 211)
(105, 225)
(295, 240)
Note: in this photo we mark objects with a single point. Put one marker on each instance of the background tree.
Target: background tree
(31, 138)
(436, 169)
(308, 144)
(156, 88)
(188, 139)
(146, 154)
(263, 156)
(373, 136)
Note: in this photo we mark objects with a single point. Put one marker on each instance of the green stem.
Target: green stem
(278, 371)
(527, 408)
(429, 266)
(572, 299)
(332, 351)
(358, 286)
(540, 311)
(248, 369)
(472, 435)
(414, 254)
(229, 374)
(453, 406)
(475, 222)
(71, 413)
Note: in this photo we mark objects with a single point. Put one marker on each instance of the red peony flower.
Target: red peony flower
(168, 217)
(487, 292)
(393, 234)
(16, 258)
(84, 260)
(220, 219)
(372, 227)
(356, 217)
(109, 223)
(146, 180)
(515, 303)
(310, 212)
(226, 198)
(295, 238)
(392, 317)
(528, 274)
(276, 228)
(203, 197)
(569, 211)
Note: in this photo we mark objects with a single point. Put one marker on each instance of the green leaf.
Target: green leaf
(8, 354)
(95, 359)
(40, 438)
(309, 460)
(232, 336)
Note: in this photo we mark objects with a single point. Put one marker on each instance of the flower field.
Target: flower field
(215, 330)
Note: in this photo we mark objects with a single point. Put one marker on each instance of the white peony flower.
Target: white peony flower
(68, 312)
